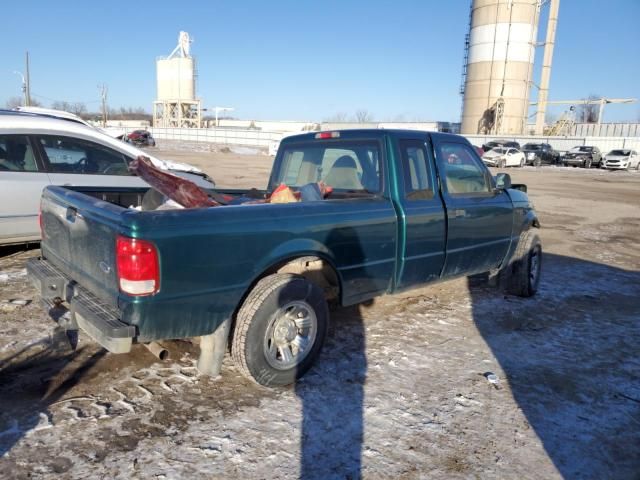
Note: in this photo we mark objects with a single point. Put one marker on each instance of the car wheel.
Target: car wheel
(524, 277)
(638, 165)
(280, 330)
(587, 163)
(537, 162)
(501, 163)
(521, 163)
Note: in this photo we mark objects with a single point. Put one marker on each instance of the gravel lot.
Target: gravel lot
(400, 389)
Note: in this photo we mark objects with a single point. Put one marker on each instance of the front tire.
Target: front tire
(524, 277)
(280, 330)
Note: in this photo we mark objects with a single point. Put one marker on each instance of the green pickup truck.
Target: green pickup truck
(407, 208)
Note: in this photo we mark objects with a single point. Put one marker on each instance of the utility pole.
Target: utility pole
(545, 75)
(103, 94)
(27, 84)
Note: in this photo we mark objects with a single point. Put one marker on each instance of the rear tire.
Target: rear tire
(524, 277)
(280, 330)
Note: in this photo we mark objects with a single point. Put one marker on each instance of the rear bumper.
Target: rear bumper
(96, 318)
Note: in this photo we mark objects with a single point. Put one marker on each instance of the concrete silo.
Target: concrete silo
(499, 66)
(176, 104)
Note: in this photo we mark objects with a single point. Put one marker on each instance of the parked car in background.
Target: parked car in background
(140, 138)
(624, 159)
(500, 143)
(540, 153)
(39, 150)
(583, 156)
(503, 157)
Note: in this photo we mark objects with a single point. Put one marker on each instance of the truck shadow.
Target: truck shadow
(38, 376)
(569, 357)
(332, 396)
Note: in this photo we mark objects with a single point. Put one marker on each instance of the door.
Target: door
(22, 179)
(73, 161)
(479, 217)
(422, 251)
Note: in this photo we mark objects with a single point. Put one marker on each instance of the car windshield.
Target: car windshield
(499, 150)
(582, 149)
(532, 146)
(623, 153)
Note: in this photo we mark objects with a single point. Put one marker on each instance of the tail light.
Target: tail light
(41, 224)
(324, 135)
(137, 266)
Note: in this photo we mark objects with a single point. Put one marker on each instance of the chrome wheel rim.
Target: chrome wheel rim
(534, 271)
(290, 335)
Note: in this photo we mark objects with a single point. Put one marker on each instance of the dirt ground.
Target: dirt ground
(400, 390)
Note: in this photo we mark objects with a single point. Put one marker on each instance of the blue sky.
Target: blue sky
(302, 60)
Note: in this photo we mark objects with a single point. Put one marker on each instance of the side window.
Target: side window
(71, 155)
(418, 183)
(16, 154)
(462, 172)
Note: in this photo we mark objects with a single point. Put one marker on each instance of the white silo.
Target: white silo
(176, 104)
(501, 48)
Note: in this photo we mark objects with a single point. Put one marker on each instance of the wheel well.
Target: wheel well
(315, 269)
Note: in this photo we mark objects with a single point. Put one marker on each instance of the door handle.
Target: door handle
(72, 213)
(458, 212)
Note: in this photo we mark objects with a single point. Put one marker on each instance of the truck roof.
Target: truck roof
(367, 132)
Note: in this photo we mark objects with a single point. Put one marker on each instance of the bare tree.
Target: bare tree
(61, 105)
(79, 109)
(338, 117)
(588, 112)
(14, 102)
(363, 116)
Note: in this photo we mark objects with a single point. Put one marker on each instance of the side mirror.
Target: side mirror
(503, 181)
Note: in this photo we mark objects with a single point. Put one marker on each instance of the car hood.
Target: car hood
(617, 157)
(492, 154)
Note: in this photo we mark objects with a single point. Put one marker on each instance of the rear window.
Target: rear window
(352, 166)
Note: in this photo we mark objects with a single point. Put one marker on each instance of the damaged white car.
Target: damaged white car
(37, 150)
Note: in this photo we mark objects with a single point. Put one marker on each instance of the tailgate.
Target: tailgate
(79, 237)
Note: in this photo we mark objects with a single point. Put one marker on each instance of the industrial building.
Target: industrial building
(176, 104)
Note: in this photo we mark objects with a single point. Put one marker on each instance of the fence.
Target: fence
(225, 136)
(261, 138)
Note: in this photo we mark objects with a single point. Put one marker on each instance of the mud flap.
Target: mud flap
(212, 350)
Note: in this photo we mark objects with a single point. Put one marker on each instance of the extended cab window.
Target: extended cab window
(462, 170)
(351, 166)
(418, 184)
(16, 154)
(71, 155)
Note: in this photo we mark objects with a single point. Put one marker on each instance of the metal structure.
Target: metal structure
(598, 101)
(176, 104)
(563, 126)
(499, 66)
(547, 59)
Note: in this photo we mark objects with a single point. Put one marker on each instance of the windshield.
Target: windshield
(532, 146)
(343, 165)
(581, 149)
(499, 150)
(623, 153)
